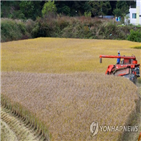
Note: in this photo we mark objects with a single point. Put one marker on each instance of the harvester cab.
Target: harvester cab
(128, 67)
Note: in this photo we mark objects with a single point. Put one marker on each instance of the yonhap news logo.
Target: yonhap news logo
(95, 128)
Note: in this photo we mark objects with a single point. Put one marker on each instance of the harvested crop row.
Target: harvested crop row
(14, 129)
(6, 133)
(69, 103)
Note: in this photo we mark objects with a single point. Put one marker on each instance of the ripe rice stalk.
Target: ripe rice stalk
(73, 100)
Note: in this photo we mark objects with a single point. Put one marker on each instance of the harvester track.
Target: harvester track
(14, 129)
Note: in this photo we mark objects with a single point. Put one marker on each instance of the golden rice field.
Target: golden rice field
(63, 84)
(55, 55)
(69, 103)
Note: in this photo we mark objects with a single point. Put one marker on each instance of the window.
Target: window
(134, 15)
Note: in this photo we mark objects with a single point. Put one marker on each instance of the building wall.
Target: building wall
(136, 10)
(138, 6)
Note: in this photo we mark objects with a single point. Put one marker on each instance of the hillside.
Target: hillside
(60, 83)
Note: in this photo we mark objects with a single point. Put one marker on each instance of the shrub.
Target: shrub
(87, 14)
(10, 30)
(29, 25)
(13, 30)
(62, 23)
(135, 35)
(44, 27)
(68, 27)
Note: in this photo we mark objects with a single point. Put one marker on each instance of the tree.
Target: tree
(78, 8)
(49, 8)
(113, 6)
(117, 12)
(30, 9)
(122, 8)
(100, 7)
(27, 8)
(63, 7)
(71, 8)
(7, 2)
(131, 3)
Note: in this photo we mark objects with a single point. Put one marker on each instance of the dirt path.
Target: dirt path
(14, 129)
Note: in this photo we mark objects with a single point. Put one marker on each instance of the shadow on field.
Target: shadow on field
(134, 119)
(138, 47)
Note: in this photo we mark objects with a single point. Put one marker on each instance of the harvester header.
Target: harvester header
(126, 59)
(112, 56)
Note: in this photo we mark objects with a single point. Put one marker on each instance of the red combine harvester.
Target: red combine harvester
(128, 67)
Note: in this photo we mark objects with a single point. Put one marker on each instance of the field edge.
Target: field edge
(26, 116)
(133, 119)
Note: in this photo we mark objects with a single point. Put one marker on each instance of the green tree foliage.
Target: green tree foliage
(117, 12)
(7, 2)
(30, 9)
(63, 8)
(122, 8)
(131, 3)
(100, 7)
(27, 8)
(78, 8)
(49, 8)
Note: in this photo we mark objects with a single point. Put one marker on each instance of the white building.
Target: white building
(135, 13)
